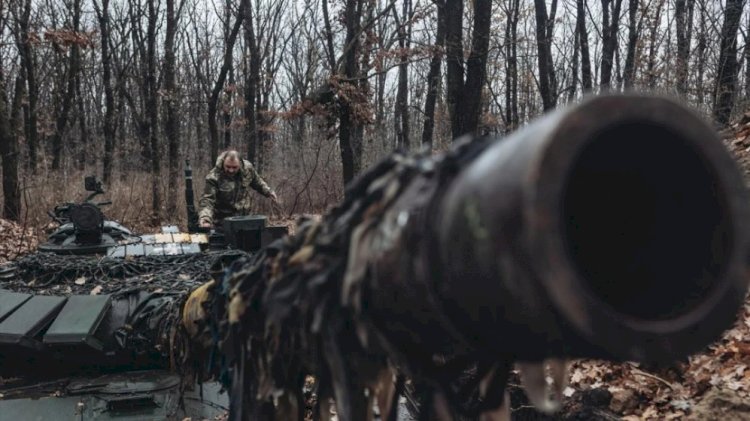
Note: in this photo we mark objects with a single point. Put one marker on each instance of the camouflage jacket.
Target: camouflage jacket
(225, 195)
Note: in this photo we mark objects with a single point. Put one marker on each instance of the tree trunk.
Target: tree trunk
(653, 47)
(152, 112)
(348, 134)
(140, 106)
(683, 48)
(511, 70)
(633, 34)
(120, 123)
(700, 53)
(454, 54)
(82, 126)
(610, 27)
(108, 128)
(574, 70)
(543, 43)
(476, 66)
(70, 91)
(226, 104)
(402, 94)
(380, 101)
(219, 85)
(171, 105)
(9, 151)
(433, 77)
(28, 62)
(465, 99)
(252, 77)
(226, 110)
(264, 117)
(726, 79)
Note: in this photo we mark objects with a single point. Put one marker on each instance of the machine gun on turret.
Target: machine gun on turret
(83, 228)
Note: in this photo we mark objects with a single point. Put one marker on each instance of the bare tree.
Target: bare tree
(347, 91)
(511, 68)
(9, 154)
(9, 142)
(653, 45)
(272, 46)
(152, 110)
(227, 95)
(726, 79)
(544, 33)
(68, 87)
(213, 100)
(146, 117)
(402, 95)
(24, 40)
(633, 34)
(683, 27)
(198, 50)
(433, 77)
(700, 53)
(584, 40)
(83, 143)
(464, 96)
(252, 78)
(349, 134)
(108, 126)
(343, 69)
(171, 104)
(610, 28)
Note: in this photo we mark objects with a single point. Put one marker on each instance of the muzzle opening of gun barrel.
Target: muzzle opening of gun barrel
(646, 222)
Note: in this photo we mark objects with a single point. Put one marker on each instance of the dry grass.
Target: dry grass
(131, 197)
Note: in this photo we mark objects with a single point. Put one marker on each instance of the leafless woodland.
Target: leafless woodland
(315, 91)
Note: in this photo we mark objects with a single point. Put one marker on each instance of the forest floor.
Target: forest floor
(714, 384)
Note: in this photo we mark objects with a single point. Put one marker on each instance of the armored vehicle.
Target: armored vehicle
(81, 318)
(571, 238)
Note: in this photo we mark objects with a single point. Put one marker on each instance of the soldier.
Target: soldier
(227, 189)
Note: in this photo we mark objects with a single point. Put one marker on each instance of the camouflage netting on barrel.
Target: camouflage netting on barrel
(300, 307)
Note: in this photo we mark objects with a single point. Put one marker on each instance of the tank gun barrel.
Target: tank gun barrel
(615, 228)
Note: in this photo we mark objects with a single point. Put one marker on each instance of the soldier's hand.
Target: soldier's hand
(205, 224)
(274, 197)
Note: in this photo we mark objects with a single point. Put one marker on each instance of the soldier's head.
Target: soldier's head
(232, 163)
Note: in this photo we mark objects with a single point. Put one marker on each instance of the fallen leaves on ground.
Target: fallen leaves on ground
(15, 240)
(716, 381)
